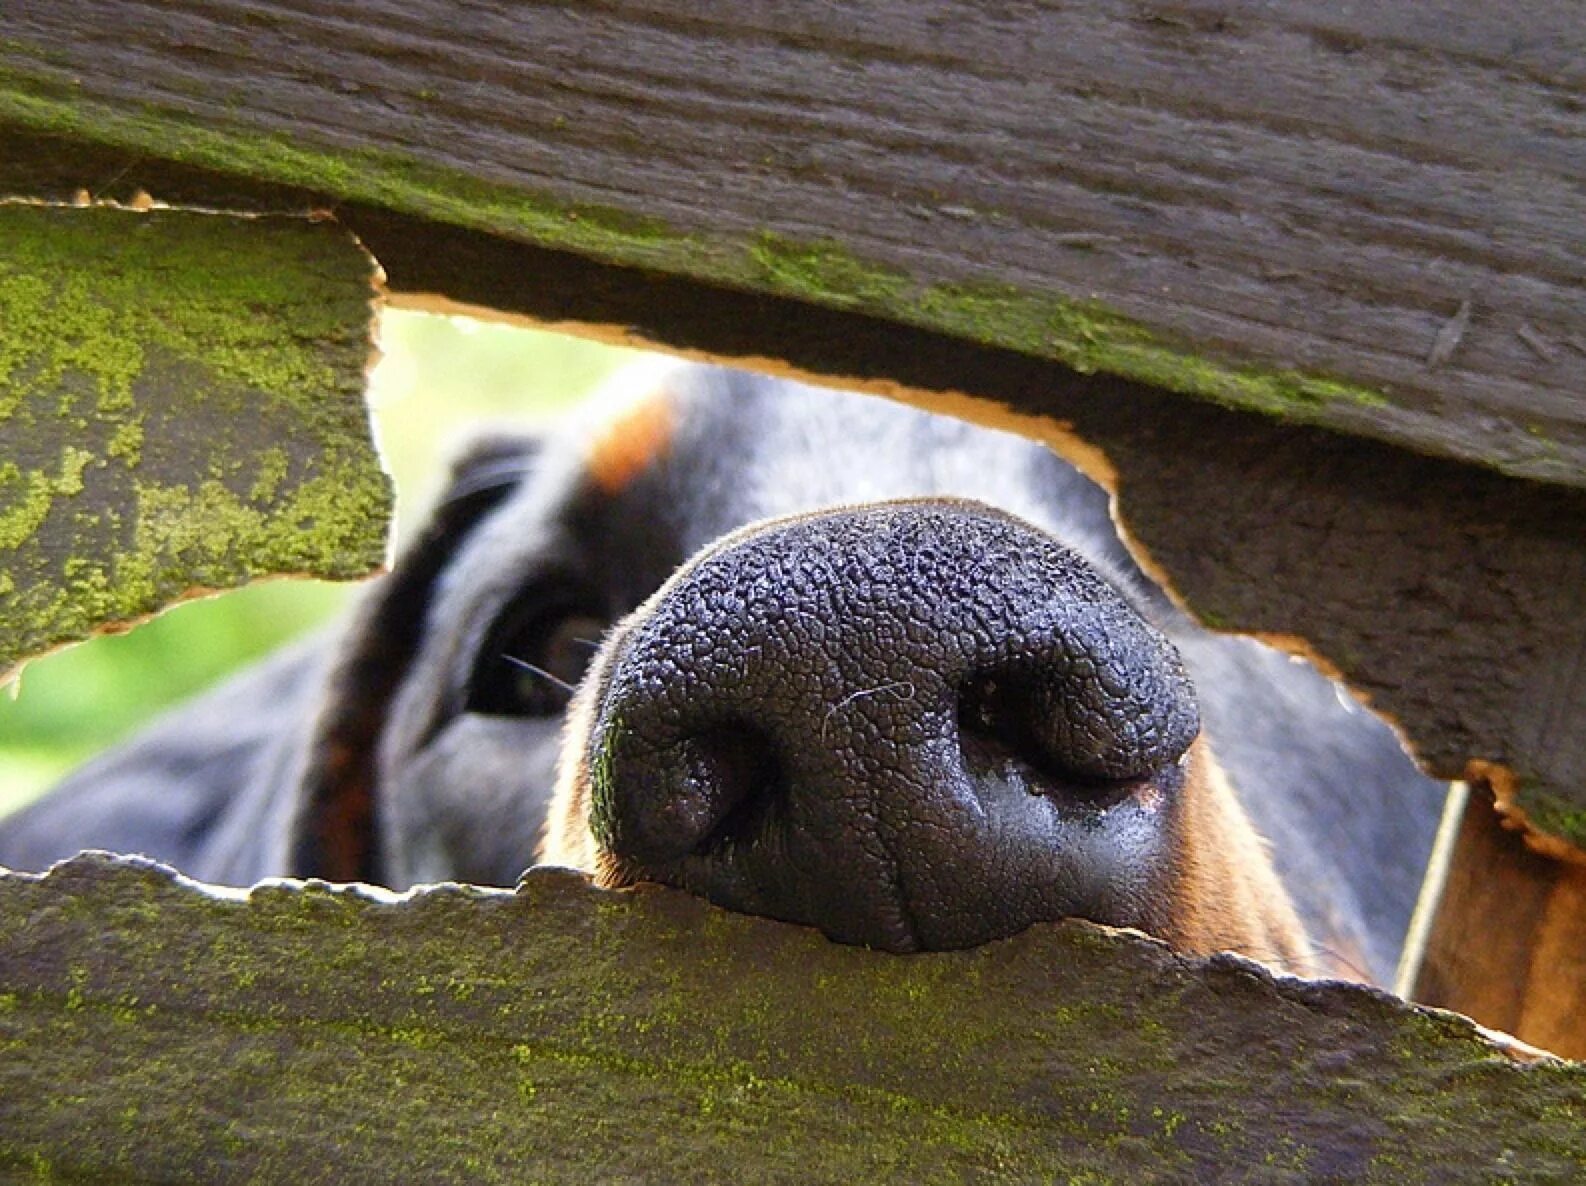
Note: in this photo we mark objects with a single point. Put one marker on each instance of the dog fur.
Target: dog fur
(1298, 831)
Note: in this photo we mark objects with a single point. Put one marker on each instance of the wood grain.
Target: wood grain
(1450, 596)
(1369, 220)
(1509, 944)
(153, 1032)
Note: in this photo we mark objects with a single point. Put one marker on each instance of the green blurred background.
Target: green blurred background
(438, 375)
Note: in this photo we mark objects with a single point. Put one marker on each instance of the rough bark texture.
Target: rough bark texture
(180, 409)
(1362, 216)
(152, 1032)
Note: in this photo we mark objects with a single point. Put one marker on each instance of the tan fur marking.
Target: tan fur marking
(634, 437)
(1228, 896)
(567, 840)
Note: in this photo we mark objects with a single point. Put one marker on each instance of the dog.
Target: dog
(813, 655)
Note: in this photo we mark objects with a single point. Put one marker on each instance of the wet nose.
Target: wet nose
(914, 725)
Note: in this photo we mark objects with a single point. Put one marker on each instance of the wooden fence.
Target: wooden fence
(1300, 282)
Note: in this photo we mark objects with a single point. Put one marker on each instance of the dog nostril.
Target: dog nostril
(1051, 724)
(687, 798)
(995, 715)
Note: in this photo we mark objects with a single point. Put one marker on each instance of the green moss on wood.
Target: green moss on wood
(561, 1034)
(1083, 334)
(181, 403)
(1552, 814)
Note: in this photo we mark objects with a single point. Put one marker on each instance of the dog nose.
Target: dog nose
(914, 725)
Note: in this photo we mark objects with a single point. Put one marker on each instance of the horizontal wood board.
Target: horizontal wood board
(1450, 596)
(154, 1032)
(1370, 217)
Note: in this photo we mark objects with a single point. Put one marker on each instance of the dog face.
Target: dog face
(816, 656)
(837, 661)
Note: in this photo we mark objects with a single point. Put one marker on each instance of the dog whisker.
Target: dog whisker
(554, 681)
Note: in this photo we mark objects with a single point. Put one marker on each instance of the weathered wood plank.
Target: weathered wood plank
(1450, 597)
(152, 1032)
(1370, 220)
(1509, 944)
(180, 410)
(1366, 552)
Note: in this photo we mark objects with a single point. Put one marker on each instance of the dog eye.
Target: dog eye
(533, 658)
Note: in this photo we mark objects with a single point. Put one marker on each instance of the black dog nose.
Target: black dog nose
(920, 724)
